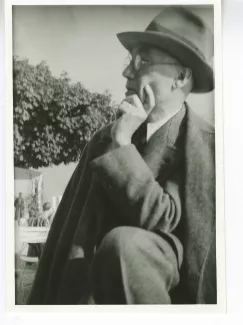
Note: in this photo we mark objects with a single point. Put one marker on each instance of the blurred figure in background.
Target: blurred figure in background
(48, 212)
(19, 207)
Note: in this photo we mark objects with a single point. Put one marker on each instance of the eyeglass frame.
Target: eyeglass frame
(139, 60)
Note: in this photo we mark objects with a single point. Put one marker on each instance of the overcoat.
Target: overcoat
(120, 187)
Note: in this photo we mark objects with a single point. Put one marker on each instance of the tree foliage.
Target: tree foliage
(53, 118)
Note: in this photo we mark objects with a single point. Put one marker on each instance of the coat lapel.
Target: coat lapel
(163, 151)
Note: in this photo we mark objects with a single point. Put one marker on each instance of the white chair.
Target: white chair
(28, 235)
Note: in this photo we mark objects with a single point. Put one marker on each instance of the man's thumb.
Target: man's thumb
(149, 98)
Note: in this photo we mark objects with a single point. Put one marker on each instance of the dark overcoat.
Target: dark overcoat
(127, 183)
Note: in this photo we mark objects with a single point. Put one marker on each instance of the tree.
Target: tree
(53, 118)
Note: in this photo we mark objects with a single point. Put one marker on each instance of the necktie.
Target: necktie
(139, 137)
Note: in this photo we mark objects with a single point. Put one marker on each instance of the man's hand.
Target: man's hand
(130, 115)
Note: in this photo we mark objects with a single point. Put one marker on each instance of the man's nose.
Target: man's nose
(129, 72)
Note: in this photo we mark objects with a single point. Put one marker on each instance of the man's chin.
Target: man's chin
(130, 92)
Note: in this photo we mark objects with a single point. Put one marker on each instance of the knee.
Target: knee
(121, 241)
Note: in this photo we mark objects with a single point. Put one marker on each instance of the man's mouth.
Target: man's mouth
(130, 91)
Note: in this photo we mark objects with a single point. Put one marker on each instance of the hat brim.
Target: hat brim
(202, 72)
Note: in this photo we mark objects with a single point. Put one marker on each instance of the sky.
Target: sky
(81, 40)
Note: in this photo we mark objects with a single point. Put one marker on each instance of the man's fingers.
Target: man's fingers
(125, 107)
(134, 100)
(132, 106)
(119, 113)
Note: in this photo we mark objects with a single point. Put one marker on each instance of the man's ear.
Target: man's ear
(183, 78)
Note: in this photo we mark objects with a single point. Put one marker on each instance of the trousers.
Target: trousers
(135, 266)
(131, 266)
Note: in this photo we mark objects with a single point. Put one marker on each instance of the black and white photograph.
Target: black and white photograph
(114, 131)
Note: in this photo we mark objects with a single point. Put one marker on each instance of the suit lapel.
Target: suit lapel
(163, 151)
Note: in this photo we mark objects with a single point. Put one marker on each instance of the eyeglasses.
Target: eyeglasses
(137, 62)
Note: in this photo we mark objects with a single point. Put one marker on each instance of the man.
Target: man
(136, 224)
(19, 207)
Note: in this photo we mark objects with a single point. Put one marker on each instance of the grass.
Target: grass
(24, 277)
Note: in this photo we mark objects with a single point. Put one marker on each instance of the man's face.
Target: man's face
(156, 68)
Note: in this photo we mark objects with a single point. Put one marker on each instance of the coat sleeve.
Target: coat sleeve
(139, 198)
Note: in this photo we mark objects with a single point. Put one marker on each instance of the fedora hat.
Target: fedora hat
(185, 36)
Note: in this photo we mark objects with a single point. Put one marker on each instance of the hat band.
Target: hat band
(157, 28)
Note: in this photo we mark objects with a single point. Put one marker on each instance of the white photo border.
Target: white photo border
(220, 224)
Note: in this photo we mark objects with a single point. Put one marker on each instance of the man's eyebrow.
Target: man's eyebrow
(142, 51)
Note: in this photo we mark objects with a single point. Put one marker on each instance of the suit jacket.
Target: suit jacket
(140, 191)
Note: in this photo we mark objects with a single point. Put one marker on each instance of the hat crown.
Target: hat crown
(187, 26)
